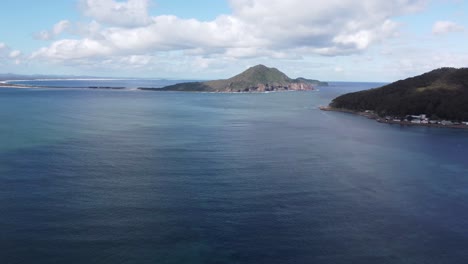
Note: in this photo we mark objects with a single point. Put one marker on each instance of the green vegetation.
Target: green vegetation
(190, 86)
(441, 94)
(259, 74)
(310, 81)
(255, 79)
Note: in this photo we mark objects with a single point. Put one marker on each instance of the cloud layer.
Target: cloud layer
(131, 13)
(255, 28)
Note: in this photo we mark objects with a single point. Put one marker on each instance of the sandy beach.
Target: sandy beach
(5, 84)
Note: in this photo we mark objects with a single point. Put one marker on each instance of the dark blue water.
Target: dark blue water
(91, 176)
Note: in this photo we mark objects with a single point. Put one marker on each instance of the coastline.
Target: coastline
(5, 84)
(385, 121)
(223, 92)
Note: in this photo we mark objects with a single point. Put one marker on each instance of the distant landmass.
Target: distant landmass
(439, 94)
(255, 79)
(16, 77)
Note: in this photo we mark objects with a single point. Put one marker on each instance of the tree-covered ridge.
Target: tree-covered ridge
(254, 76)
(181, 87)
(441, 94)
(255, 79)
(311, 81)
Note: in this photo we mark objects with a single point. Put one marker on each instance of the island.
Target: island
(259, 78)
(437, 98)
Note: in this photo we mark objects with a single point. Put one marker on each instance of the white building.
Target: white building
(422, 116)
(446, 123)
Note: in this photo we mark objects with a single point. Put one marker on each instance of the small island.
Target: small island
(438, 98)
(255, 79)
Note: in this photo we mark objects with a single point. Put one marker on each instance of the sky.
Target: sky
(333, 40)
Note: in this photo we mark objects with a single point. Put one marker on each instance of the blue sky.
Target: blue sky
(342, 40)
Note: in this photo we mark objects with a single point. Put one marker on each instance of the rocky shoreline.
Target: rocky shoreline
(387, 121)
(247, 90)
(4, 84)
(255, 79)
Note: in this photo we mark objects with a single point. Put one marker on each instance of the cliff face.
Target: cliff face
(260, 87)
(255, 79)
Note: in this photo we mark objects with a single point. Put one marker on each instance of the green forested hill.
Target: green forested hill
(255, 79)
(442, 93)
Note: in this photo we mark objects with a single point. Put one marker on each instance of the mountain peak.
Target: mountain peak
(259, 67)
(262, 68)
(261, 74)
(259, 78)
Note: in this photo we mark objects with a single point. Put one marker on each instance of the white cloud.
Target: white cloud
(131, 13)
(444, 27)
(69, 49)
(15, 54)
(333, 26)
(89, 30)
(339, 69)
(121, 34)
(58, 29)
(4, 50)
(9, 56)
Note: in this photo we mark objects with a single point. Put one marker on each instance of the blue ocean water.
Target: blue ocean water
(97, 176)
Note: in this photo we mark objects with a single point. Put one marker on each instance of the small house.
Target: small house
(446, 123)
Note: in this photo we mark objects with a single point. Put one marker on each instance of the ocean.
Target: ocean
(125, 176)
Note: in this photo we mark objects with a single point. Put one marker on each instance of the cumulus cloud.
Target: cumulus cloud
(3, 49)
(14, 54)
(9, 56)
(58, 29)
(444, 27)
(69, 49)
(132, 13)
(255, 28)
(3, 53)
(332, 27)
